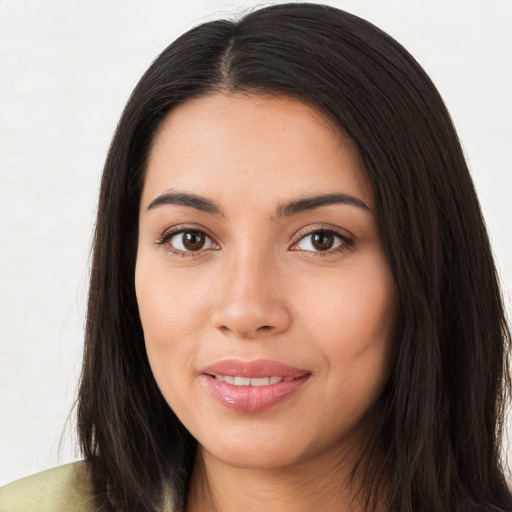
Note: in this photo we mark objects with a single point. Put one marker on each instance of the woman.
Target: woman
(293, 302)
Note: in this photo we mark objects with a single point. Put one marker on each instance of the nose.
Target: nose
(251, 302)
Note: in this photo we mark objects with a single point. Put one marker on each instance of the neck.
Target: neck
(327, 485)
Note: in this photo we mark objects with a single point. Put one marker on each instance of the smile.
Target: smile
(252, 386)
(255, 381)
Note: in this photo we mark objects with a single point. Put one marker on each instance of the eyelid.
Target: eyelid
(183, 228)
(345, 236)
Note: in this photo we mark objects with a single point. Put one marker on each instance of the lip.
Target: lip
(253, 398)
(257, 368)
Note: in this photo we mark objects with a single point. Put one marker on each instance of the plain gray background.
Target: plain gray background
(66, 70)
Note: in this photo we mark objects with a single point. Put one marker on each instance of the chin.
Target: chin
(253, 457)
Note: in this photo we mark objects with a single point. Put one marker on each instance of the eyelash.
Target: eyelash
(177, 230)
(345, 245)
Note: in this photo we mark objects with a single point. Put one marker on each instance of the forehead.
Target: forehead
(253, 144)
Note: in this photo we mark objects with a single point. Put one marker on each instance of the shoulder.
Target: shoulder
(62, 489)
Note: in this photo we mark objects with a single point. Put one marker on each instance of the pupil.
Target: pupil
(193, 240)
(323, 241)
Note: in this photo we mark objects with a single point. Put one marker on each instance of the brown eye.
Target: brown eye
(322, 241)
(193, 240)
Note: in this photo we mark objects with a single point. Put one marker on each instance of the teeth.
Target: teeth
(246, 381)
(264, 381)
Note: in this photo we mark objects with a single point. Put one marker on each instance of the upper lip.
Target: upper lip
(258, 368)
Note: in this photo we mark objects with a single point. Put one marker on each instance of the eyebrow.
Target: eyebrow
(285, 210)
(310, 203)
(186, 199)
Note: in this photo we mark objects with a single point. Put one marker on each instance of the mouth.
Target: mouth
(251, 381)
(252, 370)
(253, 386)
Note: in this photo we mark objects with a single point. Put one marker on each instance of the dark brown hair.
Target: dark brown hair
(442, 410)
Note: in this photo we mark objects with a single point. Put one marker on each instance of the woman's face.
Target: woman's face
(267, 302)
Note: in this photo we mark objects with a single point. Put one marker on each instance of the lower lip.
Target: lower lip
(252, 398)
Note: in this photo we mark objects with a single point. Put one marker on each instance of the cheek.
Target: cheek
(353, 317)
(356, 305)
(172, 312)
(356, 332)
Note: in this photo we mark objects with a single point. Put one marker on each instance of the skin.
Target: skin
(260, 289)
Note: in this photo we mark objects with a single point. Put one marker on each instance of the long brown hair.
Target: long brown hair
(442, 410)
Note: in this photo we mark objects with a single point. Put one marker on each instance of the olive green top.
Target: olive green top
(63, 489)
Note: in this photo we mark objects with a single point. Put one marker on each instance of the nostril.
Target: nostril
(264, 328)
